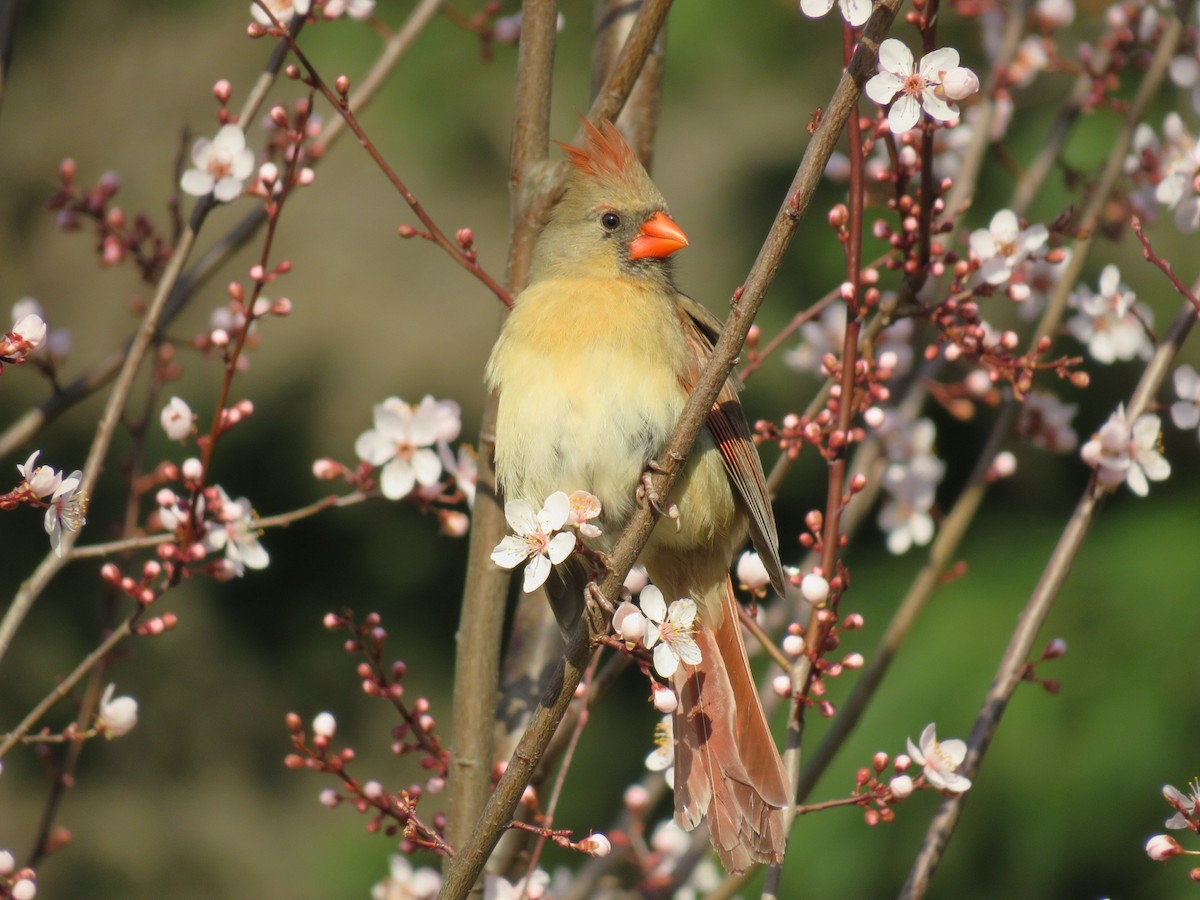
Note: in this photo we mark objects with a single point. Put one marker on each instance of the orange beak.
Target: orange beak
(659, 237)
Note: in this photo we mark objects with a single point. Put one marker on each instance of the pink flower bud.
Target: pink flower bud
(1162, 847)
(629, 623)
(23, 889)
(372, 790)
(327, 469)
(636, 580)
(853, 661)
(192, 469)
(793, 645)
(342, 84)
(1055, 649)
(330, 798)
(7, 863)
(637, 798)
(751, 572)
(223, 90)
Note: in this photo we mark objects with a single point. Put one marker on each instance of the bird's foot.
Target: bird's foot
(648, 493)
(597, 610)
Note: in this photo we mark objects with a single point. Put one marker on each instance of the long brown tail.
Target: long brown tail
(726, 765)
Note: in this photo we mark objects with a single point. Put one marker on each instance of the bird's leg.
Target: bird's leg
(648, 493)
(598, 610)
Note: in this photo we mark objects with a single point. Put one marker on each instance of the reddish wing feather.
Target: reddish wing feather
(728, 426)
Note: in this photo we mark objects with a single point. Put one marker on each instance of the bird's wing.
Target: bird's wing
(731, 433)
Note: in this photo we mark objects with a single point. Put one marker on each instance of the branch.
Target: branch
(477, 662)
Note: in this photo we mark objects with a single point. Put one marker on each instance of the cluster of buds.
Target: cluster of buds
(417, 732)
(118, 239)
(17, 883)
(795, 643)
(208, 521)
(389, 813)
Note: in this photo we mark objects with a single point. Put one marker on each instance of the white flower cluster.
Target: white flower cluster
(66, 506)
(1169, 171)
(410, 443)
(910, 479)
(225, 526)
(1111, 322)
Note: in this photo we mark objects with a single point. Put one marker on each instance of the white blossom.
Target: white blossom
(538, 538)
(1124, 452)
(176, 419)
(220, 165)
(117, 716)
(1004, 245)
(672, 625)
(940, 760)
(855, 12)
(1111, 323)
(1185, 412)
(915, 88)
(284, 10)
(234, 531)
(403, 442)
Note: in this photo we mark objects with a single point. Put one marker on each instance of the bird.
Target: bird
(592, 369)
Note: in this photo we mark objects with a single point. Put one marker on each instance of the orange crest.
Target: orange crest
(605, 155)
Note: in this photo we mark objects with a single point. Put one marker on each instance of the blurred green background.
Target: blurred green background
(196, 803)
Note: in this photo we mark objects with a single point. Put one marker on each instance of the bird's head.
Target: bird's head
(612, 221)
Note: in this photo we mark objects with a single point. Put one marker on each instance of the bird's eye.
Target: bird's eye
(611, 221)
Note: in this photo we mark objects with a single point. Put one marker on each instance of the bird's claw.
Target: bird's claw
(595, 597)
(648, 493)
(597, 609)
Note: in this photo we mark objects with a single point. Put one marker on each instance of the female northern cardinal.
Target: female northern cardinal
(593, 368)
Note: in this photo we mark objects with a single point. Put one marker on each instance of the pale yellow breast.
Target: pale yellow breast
(587, 375)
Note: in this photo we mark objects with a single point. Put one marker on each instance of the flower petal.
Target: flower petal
(555, 511)
(904, 114)
(536, 573)
(883, 87)
(666, 663)
(687, 650)
(562, 546)
(427, 466)
(895, 57)
(520, 517)
(396, 480)
(939, 61)
(814, 9)
(511, 552)
(652, 604)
